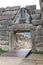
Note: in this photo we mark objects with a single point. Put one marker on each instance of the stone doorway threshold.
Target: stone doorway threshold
(17, 53)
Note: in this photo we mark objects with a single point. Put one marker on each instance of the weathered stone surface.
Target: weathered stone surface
(6, 22)
(22, 20)
(38, 11)
(33, 36)
(2, 9)
(41, 4)
(21, 27)
(36, 22)
(9, 12)
(4, 28)
(35, 16)
(39, 49)
(4, 42)
(6, 17)
(4, 47)
(38, 30)
(1, 13)
(39, 39)
(6, 38)
(32, 7)
(42, 16)
(32, 11)
(12, 8)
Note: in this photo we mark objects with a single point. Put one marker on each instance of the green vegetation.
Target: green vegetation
(2, 51)
(40, 52)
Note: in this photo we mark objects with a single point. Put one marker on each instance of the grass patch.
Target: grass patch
(2, 51)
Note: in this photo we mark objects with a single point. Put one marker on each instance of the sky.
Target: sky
(22, 3)
(27, 34)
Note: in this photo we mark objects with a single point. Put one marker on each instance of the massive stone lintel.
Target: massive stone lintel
(22, 27)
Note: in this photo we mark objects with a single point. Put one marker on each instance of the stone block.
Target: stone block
(12, 8)
(41, 4)
(1, 13)
(39, 39)
(2, 9)
(6, 22)
(33, 36)
(39, 44)
(6, 17)
(31, 7)
(39, 49)
(4, 47)
(9, 12)
(42, 16)
(4, 28)
(22, 20)
(38, 30)
(38, 11)
(35, 16)
(36, 22)
(3, 42)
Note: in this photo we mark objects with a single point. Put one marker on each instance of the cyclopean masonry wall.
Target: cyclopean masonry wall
(15, 20)
(37, 35)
